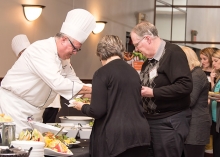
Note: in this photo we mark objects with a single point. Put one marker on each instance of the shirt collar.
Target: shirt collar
(160, 50)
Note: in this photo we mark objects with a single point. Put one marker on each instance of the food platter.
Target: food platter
(5, 119)
(214, 95)
(50, 152)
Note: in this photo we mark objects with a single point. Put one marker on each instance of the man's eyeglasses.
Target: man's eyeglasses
(136, 45)
(74, 48)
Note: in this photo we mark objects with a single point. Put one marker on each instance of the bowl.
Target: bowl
(85, 133)
(42, 128)
(76, 119)
(69, 127)
(27, 144)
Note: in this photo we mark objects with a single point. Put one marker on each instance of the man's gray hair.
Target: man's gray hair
(145, 28)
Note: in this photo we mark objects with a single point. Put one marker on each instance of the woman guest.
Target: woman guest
(120, 128)
(206, 64)
(200, 123)
(215, 104)
(206, 61)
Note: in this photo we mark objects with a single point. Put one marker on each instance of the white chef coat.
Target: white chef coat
(66, 69)
(34, 81)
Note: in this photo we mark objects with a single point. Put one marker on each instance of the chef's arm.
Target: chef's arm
(85, 90)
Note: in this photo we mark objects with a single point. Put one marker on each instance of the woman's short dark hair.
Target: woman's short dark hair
(108, 46)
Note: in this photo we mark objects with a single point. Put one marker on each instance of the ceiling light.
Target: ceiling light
(100, 25)
(32, 12)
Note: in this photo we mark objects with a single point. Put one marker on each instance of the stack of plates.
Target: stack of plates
(38, 147)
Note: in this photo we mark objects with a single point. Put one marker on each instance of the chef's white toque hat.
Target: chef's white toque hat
(19, 43)
(78, 24)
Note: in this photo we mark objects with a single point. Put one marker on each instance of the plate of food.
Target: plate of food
(5, 118)
(50, 152)
(54, 146)
(84, 100)
(214, 94)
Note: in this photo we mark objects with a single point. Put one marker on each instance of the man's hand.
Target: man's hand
(146, 91)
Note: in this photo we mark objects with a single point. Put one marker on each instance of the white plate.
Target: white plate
(76, 118)
(50, 152)
(71, 103)
(77, 142)
(70, 145)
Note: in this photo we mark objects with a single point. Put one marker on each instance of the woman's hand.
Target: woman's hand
(212, 75)
(78, 105)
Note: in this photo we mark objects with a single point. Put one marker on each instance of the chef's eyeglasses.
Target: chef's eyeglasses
(74, 48)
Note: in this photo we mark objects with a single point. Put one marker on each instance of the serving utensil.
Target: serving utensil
(59, 131)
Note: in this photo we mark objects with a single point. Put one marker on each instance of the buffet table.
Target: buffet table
(81, 149)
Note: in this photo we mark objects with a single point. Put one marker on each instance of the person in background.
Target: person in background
(37, 76)
(120, 128)
(19, 44)
(200, 123)
(215, 104)
(166, 87)
(206, 64)
(206, 61)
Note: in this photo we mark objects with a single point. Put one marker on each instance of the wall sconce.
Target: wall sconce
(100, 25)
(32, 12)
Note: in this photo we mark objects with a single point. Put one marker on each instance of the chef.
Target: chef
(19, 43)
(36, 77)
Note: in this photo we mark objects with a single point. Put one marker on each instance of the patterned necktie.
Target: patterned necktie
(149, 104)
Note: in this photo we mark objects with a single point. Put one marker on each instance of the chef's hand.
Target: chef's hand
(85, 90)
(147, 92)
(78, 105)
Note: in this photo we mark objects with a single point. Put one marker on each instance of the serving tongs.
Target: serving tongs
(59, 131)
